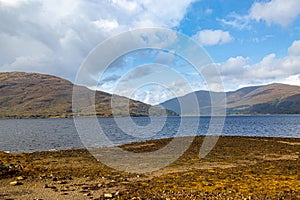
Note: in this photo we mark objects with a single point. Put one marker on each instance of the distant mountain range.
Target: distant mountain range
(33, 95)
(267, 99)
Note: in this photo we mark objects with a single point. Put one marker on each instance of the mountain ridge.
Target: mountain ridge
(34, 95)
(275, 98)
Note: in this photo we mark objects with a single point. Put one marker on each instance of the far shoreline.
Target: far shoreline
(293, 139)
(137, 116)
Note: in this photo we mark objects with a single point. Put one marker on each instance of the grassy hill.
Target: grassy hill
(268, 99)
(29, 95)
(273, 99)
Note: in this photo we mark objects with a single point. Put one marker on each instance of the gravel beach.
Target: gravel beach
(237, 168)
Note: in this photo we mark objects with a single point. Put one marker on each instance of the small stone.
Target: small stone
(87, 194)
(108, 195)
(43, 176)
(48, 186)
(14, 183)
(68, 178)
(20, 178)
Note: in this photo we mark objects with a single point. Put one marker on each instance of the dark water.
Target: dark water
(27, 135)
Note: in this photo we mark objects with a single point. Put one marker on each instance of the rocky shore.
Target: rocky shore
(237, 168)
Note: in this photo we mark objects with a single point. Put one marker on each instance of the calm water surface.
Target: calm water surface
(27, 135)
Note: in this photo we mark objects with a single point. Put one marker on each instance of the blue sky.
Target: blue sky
(255, 40)
(251, 42)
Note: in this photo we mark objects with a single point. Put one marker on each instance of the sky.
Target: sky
(250, 42)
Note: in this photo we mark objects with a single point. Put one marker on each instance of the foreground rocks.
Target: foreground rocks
(14, 183)
(237, 168)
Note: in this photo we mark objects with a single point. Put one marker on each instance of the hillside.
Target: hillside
(268, 99)
(28, 95)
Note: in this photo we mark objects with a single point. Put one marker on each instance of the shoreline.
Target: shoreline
(145, 141)
(237, 167)
(137, 116)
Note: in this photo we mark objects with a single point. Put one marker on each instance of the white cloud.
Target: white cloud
(166, 58)
(236, 21)
(294, 50)
(153, 94)
(280, 12)
(213, 37)
(239, 71)
(291, 80)
(161, 13)
(138, 73)
(233, 66)
(130, 6)
(157, 93)
(12, 3)
(107, 25)
(53, 34)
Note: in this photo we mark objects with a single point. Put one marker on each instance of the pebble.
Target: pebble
(108, 195)
(43, 176)
(47, 186)
(87, 194)
(20, 178)
(14, 183)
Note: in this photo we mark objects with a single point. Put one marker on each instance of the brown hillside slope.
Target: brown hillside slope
(267, 99)
(272, 98)
(25, 95)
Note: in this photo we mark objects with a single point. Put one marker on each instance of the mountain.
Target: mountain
(27, 95)
(267, 99)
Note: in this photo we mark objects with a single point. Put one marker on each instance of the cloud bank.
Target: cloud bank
(51, 36)
(274, 12)
(239, 71)
(280, 12)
